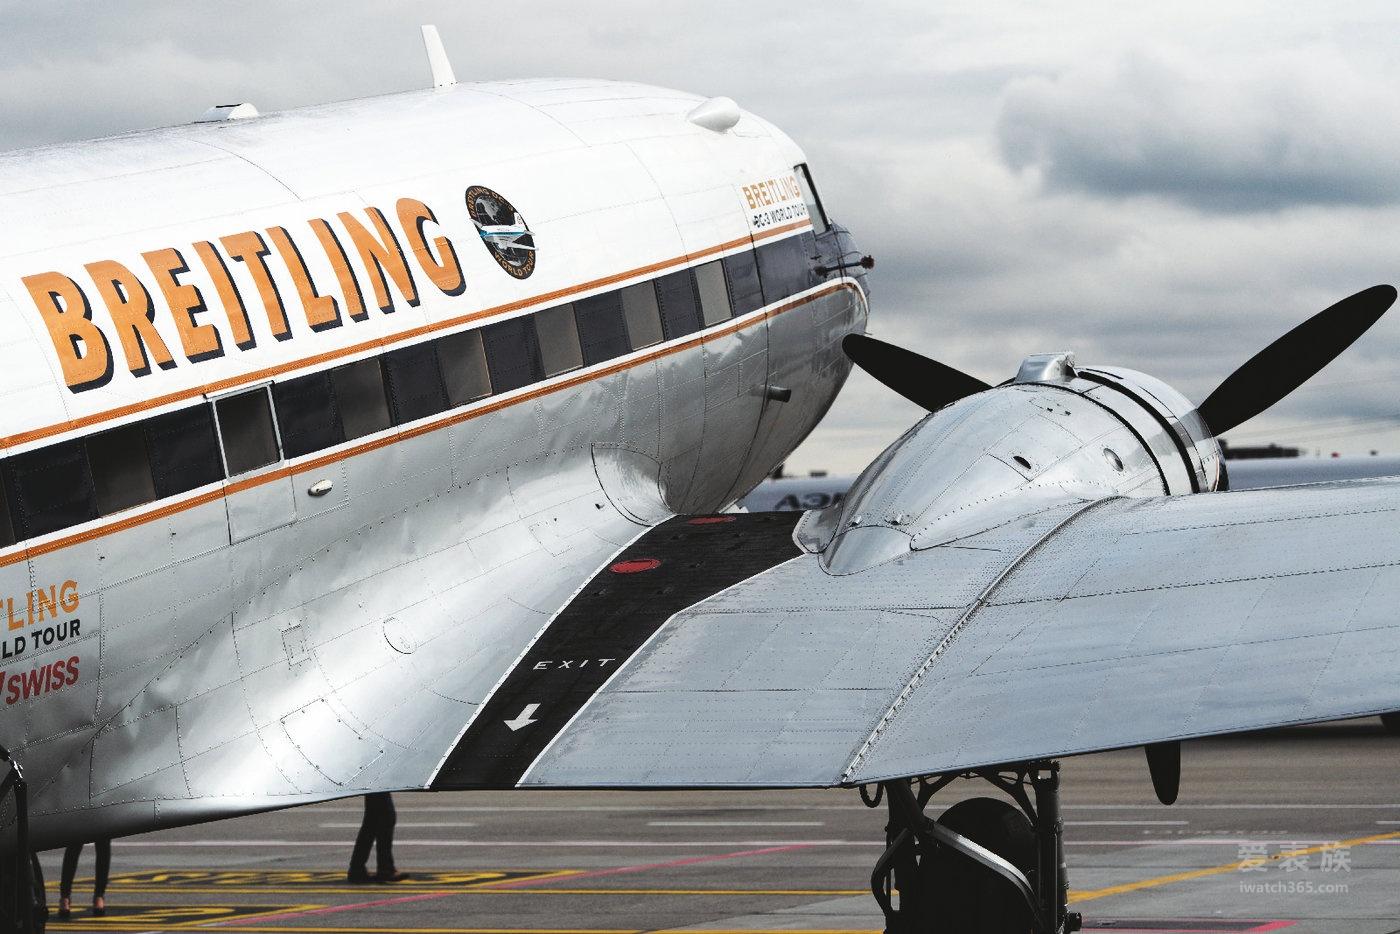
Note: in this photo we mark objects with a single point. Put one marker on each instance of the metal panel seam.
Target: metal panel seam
(627, 663)
(981, 600)
(526, 651)
(229, 152)
(1152, 455)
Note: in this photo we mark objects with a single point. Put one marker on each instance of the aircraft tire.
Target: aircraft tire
(1391, 722)
(968, 898)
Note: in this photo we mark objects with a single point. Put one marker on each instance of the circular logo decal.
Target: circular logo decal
(503, 230)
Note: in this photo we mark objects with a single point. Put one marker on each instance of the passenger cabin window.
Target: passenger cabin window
(463, 360)
(360, 398)
(184, 450)
(77, 481)
(512, 354)
(121, 469)
(680, 311)
(602, 328)
(50, 489)
(714, 293)
(809, 194)
(558, 336)
(248, 434)
(416, 386)
(745, 289)
(643, 315)
(306, 414)
(7, 529)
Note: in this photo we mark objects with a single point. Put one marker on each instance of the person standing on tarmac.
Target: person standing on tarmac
(377, 830)
(103, 850)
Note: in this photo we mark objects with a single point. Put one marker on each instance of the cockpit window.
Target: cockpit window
(809, 195)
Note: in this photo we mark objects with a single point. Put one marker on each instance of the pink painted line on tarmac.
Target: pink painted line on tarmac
(1259, 927)
(643, 867)
(333, 909)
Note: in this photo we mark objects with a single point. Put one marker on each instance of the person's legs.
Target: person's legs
(385, 818)
(103, 849)
(70, 869)
(359, 856)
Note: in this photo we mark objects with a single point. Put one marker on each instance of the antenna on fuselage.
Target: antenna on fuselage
(437, 58)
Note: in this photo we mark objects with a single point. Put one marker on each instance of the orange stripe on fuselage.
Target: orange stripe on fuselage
(410, 431)
(87, 421)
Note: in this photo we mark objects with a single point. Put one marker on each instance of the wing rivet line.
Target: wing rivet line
(952, 634)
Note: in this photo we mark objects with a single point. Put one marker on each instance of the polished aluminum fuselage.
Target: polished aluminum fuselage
(263, 642)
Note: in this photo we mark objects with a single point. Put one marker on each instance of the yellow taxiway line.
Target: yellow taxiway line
(1239, 864)
(241, 926)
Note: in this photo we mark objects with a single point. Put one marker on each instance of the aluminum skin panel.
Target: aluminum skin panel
(596, 206)
(1280, 606)
(265, 647)
(779, 679)
(602, 627)
(802, 356)
(29, 391)
(1130, 620)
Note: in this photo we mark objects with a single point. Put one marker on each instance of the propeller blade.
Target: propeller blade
(922, 381)
(1293, 359)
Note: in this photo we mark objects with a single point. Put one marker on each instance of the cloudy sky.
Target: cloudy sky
(1167, 188)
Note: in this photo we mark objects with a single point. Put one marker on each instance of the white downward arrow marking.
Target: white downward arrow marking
(525, 717)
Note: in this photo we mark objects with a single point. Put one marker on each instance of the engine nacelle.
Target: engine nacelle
(1054, 435)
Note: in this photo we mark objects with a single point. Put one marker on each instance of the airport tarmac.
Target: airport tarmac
(1295, 829)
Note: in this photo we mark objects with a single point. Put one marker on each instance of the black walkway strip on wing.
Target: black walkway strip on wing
(674, 566)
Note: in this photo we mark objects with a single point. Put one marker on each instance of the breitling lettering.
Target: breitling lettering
(36, 682)
(42, 608)
(772, 191)
(181, 306)
(774, 201)
(42, 604)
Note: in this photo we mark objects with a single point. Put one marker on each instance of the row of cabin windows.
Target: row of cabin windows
(80, 480)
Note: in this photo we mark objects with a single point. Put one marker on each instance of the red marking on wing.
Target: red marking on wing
(635, 566)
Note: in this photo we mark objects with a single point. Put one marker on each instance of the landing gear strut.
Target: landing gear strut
(985, 867)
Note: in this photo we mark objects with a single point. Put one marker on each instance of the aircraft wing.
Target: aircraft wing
(1090, 625)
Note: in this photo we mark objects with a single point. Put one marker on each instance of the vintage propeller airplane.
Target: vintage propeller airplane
(311, 490)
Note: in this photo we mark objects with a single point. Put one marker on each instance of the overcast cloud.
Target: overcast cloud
(1168, 188)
